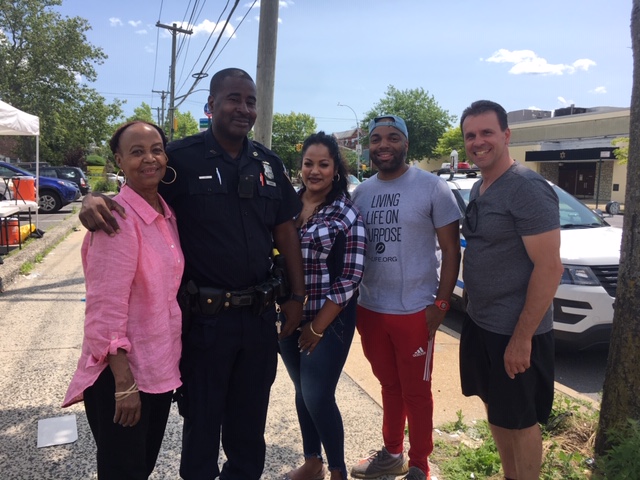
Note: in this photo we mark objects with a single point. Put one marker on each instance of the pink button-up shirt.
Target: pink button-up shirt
(132, 281)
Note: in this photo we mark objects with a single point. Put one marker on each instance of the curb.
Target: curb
(10, 269)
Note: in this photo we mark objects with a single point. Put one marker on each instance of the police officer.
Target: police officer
(232, 202)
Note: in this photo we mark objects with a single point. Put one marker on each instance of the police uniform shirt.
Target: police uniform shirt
(227, 208)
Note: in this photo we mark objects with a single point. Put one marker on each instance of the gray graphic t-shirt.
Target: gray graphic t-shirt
(400, 216)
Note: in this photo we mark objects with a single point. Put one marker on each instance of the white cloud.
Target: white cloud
(150, 48)
(527, 62)
(141, 32)
(583, 64)
(565, 103)
(115, 22)
(207, 27)
(134, 23)
(599, 90)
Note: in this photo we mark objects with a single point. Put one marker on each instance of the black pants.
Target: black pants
(125, 453)
(228, 366)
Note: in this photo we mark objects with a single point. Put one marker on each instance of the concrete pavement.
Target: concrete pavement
(42, 323)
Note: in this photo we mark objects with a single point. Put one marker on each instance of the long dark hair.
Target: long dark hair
(339, 185)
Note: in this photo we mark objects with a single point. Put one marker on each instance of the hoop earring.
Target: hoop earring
(175, 176)
(336, 178)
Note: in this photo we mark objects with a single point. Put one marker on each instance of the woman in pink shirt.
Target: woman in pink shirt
(128, 368)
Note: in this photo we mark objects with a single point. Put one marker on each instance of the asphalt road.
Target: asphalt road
(48, 220)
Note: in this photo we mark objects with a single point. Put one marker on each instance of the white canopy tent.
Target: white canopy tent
(17, 122)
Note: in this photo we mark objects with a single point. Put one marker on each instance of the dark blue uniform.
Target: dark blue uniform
(226, 210)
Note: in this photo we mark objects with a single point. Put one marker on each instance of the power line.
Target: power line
(174, 29)
(155, 63)
(206, 44)
(206, 65)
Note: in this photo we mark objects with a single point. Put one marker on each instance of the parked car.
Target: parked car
(352, 183)
(73, 174)
(54, 193)
(590, 253)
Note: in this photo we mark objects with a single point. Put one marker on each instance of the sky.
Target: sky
(544, 55)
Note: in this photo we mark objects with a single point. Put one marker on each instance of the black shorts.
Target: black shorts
(512, 404)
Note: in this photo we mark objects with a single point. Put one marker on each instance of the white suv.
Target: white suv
(590, 253)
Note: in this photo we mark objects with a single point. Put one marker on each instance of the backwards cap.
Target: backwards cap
(389, 121)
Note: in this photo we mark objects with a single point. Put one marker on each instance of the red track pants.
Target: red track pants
(401, 357)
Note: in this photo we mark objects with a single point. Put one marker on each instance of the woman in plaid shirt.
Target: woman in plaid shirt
(333, 242)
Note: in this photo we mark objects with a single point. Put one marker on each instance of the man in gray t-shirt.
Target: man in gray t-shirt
(407, 213)
(511, 271)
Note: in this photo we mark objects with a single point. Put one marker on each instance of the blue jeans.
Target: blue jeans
(315, 378)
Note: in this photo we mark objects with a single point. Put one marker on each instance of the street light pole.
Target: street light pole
(358, 146)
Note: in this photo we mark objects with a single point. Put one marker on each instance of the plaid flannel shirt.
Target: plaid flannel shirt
(317, 237)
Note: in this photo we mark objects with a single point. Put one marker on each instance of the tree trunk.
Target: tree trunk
(621, 393)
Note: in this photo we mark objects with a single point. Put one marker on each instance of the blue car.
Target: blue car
(54, 193)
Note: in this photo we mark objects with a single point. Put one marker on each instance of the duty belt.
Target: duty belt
(210, 301)
(242, 298)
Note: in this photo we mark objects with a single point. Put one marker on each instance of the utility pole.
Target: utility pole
(163, 96)
(266, 70)
(172, 90)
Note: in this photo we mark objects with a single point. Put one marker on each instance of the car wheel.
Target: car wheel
(613, 208)
(49, 202)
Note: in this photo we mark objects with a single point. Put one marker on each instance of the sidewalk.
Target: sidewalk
(10, 268)
(42, 326)
(446, 383)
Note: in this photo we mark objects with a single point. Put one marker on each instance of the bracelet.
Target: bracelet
(314, 332)
(130, 391)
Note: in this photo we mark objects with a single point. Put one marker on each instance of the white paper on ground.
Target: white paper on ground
(57, 431)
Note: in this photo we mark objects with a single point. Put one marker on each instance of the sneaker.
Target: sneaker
(380, 463)
(415, 474)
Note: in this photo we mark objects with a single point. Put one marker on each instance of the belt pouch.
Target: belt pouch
(264, 297)
(210, 300)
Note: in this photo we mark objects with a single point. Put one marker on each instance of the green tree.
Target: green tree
(187, 125)
(451, 140)
(426, 120)
(620, 398)
(350, 158)
(143, 112)
(288, 131)
(622, 149)
(43, 56)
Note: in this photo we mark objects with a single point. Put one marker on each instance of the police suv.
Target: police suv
(590, 253)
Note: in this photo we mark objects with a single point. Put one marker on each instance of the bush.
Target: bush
(622, 461)
(96, 161)
(104, 185)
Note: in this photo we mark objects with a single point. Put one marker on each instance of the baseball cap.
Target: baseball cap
(389, 121)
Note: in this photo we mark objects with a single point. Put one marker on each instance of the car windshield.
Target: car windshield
(353, 179)
(573, 213)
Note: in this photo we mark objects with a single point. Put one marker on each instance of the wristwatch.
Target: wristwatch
(442, 305)
(299, 298)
